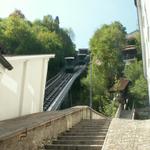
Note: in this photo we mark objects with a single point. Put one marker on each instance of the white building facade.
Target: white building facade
(22, 88)
(143, 12)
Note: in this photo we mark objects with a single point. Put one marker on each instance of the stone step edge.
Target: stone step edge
(70, 145)
(80, 136)
(85, 133)
(79, 140)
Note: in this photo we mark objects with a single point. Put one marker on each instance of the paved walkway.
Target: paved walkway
(128, 135)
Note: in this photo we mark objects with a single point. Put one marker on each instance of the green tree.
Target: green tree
(50, 23)
(70, 33)
(107, 63)
(17, 13)
(138, 91)
(106, 46)
(19, 39)
(133, 71)
(20, 36)
(54, 40)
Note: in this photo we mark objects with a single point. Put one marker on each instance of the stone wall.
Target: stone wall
(30, 132)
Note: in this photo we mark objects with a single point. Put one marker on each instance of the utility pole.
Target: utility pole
(91, 80)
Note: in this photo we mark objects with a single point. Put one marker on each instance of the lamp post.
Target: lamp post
(91, 80)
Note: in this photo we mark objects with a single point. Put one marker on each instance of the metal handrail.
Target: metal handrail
(133, 111)
(118, 112)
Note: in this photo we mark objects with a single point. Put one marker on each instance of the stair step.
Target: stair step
(96, 120)
(82, 137)
(90, 128)
(87, 126)
(92, 122)
(86, 123)
(79, 142)
(72, 147)
(84, 133)
(87, 130)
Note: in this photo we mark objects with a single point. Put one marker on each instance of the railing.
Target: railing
(120, 110)
(59, 99)
(56, 90)
(133, 112)
(117, 115)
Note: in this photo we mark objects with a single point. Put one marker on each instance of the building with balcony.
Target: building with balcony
(129, 54)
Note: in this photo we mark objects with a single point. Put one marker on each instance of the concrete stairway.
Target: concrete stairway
(127, 114)
(87, 135)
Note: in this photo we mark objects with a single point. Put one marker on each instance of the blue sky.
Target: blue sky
(83, 16)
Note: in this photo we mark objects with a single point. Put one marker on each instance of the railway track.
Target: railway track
(54, 87)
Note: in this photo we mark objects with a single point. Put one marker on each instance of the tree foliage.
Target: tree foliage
(17, 13)
(107, 63)
(20, 36)
(139, 89)
(134, 71)
(106, 46)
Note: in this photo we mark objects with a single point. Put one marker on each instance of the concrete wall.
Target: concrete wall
(32, 131)
(22, 89)
(143, 11)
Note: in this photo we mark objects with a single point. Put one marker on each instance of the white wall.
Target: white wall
(143, 11)
(22, 89)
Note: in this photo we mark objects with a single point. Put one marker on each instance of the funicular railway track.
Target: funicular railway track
(54, 87)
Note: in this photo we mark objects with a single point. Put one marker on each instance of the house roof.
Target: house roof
(120, 86)
(132, 35)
